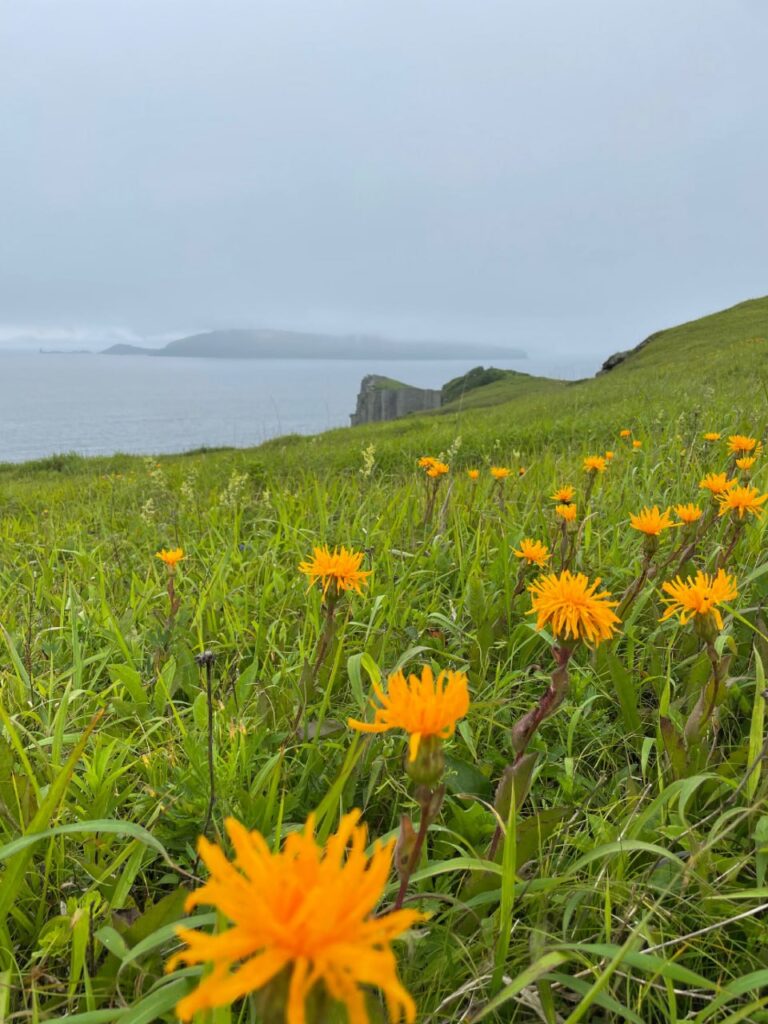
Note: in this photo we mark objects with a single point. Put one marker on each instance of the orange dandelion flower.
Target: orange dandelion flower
(650, 521)
(426, 461)
(473, 474)
(171, 558)
(741, 445)
(609, 456)
(741, 500)
(688, 513)
(712, 436)
(499, 472)
(595, 464)
(625, 433)
(307, 910)
(437, 469)
(637, 444)
(533, 551)
(522, 471)
(566, 512)
(423, 706)
(573, 609)
(699, 597)
(747, 462)
(717, 483)
(564, 495)
(340, 568)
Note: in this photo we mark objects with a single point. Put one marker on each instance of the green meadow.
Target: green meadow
(626, 877)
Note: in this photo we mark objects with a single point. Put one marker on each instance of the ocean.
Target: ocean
(98, 405)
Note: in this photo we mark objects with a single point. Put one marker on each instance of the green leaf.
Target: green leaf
(13, 878)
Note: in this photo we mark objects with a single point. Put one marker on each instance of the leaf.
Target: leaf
(756, 731)
(625, 688)
(462, 777)
(13, 878)
(674, 746)
(529, 976)
(131, 680)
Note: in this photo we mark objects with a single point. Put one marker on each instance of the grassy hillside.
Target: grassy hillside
(628, 879)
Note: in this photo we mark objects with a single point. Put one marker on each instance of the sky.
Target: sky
(539, 173)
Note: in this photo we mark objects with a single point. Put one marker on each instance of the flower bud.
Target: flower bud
(406, 840)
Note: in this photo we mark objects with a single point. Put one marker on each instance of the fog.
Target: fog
(538, 173)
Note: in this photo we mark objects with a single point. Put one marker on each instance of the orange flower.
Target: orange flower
(741, 445)
(699, 597)
(595, 464)
(650, 521)
(533, 551)
(740, 500)
(637, 444)
(712, 436)
(422, 707)
(609, 456)
(522, 471)
(566, 512)
(426, 461)
(340, 568)
(564, 495)
(746, 463)
(569, 604)
(437, 469)
(307, 910)
(499, 472)
(171, 558)
(717, 483)
(625, 433)
(473, 474)
(688, 513)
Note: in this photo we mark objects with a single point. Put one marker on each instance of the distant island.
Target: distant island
(269, 344)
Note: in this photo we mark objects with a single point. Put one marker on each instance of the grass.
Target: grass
(633, 885)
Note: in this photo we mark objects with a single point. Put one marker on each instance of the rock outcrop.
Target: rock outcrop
(381, 399)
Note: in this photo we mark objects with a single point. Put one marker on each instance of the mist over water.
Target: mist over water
(98, 405)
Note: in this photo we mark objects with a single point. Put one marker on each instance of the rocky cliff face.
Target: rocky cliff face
(383, 399)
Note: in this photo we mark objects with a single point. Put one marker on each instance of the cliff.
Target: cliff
(382, 398)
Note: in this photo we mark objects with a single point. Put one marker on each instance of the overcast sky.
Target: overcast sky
(569, 173)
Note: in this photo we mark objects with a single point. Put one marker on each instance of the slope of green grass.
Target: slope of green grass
(637, 883)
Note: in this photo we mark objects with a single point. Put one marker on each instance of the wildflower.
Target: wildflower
(306, 909)
(566, 512)
(717, 483)
(650, 521)
(688, 514)
(625, 433)
(740, 500)
(637, 444)
(595, 464)
(499, 472)
(423, 707)
(473, 474)
(738, 444)
(699, 598)
(340, 568)
(746, 463)
(608, 456)
(564, 495)
(170, 558)
(522, 471)
(570, 605)
(533, 551)
(426, 461)
(712, 436)
(437, 469)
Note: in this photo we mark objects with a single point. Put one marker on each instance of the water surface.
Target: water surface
(97, 405)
